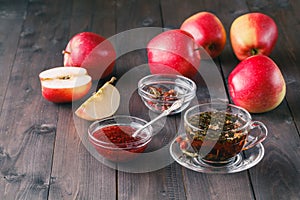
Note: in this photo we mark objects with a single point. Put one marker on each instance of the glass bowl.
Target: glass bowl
(112, 137)
(160, 91)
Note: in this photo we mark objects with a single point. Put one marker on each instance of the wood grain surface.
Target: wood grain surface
(42, 149)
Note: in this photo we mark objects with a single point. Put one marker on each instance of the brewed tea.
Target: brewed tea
(217, 136)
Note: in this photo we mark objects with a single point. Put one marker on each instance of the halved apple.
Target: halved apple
(65, 84)
(103, 103)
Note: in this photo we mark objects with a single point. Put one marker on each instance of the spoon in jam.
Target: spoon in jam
(173, 107)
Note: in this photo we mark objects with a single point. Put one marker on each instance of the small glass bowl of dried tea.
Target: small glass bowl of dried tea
(160, 91)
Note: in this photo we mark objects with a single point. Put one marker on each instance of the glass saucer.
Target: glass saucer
(241, 162)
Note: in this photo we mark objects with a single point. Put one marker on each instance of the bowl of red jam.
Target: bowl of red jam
(160, 91)
(112, 137)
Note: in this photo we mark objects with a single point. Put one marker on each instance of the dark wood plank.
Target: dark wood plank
(233, 186)
(162, 184)
(289, 29)
(277, 176)
(76, 173)
(132, 15)
(30, 122)
(11, 18)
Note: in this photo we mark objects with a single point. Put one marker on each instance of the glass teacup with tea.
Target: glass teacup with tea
(217, 132)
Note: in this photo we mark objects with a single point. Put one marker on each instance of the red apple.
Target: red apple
(208, 32)
(173, 52)
(257, 84)
(92, 52)
(253, 34)
(65, 84)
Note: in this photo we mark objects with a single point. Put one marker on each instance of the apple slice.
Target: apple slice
(101, 104)
(65, 84)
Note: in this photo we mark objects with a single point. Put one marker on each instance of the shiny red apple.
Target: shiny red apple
(257, 84)
(208, 31)
(92, 52)
(173, 52)
(253, 34)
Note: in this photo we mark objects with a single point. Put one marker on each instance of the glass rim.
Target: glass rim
(191, 84)
(186, 98)
(226, 105)
(108, 145)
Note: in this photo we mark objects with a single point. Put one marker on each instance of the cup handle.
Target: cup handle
(254, 139)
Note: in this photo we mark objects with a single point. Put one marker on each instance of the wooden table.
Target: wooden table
(41, 154)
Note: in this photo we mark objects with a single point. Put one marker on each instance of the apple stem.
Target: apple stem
(105, 84)
(212, 47)
(112, 80)
(254, 52)
(66, 52)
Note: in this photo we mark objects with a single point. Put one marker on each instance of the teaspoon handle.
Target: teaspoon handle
(163, 114)
(174, 106)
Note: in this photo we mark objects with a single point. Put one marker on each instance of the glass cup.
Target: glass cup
(217, 132)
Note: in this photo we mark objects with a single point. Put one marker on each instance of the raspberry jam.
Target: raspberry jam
(115, 142)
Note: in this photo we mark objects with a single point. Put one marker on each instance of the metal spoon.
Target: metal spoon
(173, 107)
